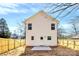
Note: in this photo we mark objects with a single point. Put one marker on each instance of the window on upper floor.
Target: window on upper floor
(30, 26)
(52, 26)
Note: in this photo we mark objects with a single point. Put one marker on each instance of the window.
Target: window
(49, 38)
(29, 26)
(32, 38)
(52, 26)
(41, 38)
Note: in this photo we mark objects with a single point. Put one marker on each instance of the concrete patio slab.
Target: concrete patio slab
(41, 48)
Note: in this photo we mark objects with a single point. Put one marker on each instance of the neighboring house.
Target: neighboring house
(75, 37)
(41, 30)
(14, 36)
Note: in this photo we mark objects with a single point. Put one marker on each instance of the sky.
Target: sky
(15, 13)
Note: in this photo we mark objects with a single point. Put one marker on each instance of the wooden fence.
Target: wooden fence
(9, 44)
(69, 43)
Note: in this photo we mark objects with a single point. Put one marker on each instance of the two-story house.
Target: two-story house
(41, 30)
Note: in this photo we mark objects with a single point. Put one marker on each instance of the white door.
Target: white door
(45, 41)
(41, 41)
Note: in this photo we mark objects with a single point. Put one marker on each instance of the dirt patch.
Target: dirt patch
(14, 52)
(56, 51)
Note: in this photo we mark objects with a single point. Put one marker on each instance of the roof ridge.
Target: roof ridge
(42, 11)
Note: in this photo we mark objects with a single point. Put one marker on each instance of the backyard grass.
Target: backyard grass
(7, 44)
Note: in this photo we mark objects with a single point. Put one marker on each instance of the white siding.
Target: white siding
(41, 27)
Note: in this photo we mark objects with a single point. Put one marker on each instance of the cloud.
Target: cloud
(12, 29)
(9, 5)
(67, 26)
(12, 8)
(19, 8)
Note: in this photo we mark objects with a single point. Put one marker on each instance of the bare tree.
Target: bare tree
(61, 31)
(21, 30)
(75, 25)
(60, 8)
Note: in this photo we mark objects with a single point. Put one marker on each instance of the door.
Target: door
(42, 41)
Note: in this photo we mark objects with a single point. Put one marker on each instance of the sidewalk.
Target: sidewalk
(14, 52)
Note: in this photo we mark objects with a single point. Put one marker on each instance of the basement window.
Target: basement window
(32, 38)
(49, 37)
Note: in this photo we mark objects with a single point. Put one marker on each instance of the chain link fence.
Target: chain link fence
(9, 44)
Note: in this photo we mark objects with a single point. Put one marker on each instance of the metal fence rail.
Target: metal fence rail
(69, 43)
(9, 44)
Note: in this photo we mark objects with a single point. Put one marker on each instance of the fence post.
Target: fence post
(25, 42)
(8, 44)
(14, 43)
(20, 41)
(1, 46)
(74, 45)
(67, 43)
(63, 42)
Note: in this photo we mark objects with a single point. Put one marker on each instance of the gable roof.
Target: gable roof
(42, 13)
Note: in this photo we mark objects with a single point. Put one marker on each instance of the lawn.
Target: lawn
(8, 44)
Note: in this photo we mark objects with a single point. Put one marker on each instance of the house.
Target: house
(75, 36)
(14, 36)
(41, 30)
